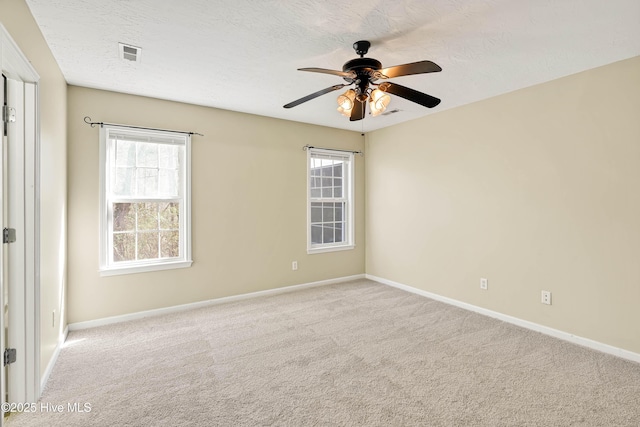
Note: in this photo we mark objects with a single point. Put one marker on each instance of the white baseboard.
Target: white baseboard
(176, 308)
(585, 342)
(54, 358)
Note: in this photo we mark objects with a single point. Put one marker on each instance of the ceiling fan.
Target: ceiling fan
(363, 73)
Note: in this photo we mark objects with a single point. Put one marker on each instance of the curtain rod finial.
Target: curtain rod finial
(88, 121)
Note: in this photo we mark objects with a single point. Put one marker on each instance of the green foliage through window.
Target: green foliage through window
(146, 231)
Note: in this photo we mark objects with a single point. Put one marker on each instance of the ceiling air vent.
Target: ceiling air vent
(130, 53)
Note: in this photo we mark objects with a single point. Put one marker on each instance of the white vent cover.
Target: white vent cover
(130, 53)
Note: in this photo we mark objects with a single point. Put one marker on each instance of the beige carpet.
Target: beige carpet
(352, 354)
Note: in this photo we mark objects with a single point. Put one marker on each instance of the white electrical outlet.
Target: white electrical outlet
(294, 265)
(546, 297)
(484, 283)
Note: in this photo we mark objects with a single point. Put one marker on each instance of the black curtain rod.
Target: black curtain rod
(88, 121)
(306, 147)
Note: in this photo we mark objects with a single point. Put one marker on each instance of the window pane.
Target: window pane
(168, 156)
(337, 169)
(168, 183)
(147, 182)
(315, 182)
(315, 192)
(316, 169)
(316, 212)
(147, 155)
(124, 247)
(124, 217)
(337, 191)
(327, 171)
(328, 234)
(339, 232)
(169, 216)
(147, 216)
(122, 182)
(339, 211)
(147, 245)
(316, 234)
(169, 244)
(327, 182)
(125, 153)
(327, 212)
(326, 192)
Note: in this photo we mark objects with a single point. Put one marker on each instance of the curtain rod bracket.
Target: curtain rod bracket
(88, 121)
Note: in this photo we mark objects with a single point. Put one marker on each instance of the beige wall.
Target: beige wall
(248, 207)
(17, 19)
(536, 189)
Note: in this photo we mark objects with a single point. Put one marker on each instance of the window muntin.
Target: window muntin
(330, 206)
(145, 203)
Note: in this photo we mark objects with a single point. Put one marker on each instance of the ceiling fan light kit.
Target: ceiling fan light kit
(378, 102)
(346, 102)
(364, 73)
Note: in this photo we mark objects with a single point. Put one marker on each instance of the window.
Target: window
(330, 200)
(145, 200)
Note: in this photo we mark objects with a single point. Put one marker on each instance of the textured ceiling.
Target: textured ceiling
(242, 55)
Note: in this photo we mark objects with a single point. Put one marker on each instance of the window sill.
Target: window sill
(115, 271)
(330, 249)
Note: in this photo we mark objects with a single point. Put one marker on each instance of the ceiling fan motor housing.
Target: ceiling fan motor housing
(362, 64)
(364, 69)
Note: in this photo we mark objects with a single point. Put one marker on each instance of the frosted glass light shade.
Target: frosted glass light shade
(345, 102)
(378, 101)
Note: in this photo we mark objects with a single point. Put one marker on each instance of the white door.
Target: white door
(19, 271)
(14, 252)
(3, 289)
(19, 253)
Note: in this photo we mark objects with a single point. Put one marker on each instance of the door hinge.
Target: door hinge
(8, 114)
(8, 235)
(9, 356)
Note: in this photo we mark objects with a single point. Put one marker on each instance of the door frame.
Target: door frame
(15, 65)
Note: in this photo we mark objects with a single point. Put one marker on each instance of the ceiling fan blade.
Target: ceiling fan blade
(345, 74)
(409, 94)
(419, 67)
(314, 95)
(357, 113)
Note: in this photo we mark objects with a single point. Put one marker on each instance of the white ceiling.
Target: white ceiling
(242, 55)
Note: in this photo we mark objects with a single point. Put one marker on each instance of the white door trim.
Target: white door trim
(32, 239)
(16, 66)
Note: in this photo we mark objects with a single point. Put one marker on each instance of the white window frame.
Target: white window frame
(348, 198)
(107, 266)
